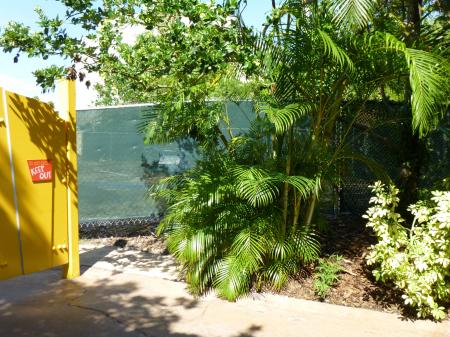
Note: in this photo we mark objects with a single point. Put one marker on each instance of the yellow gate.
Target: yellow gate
(38, 185)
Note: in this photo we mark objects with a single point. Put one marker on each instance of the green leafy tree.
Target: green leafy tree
(184, 48)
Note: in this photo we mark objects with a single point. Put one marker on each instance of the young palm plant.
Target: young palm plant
(226, 229)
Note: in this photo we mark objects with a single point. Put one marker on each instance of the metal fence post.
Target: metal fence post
(67, 100)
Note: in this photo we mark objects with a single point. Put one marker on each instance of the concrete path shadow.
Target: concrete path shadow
(121, 294)
(121, 260)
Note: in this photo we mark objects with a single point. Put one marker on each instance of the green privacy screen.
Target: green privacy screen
(115, 166)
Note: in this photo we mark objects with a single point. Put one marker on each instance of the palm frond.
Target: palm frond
(429, 77)
(283, 118)
(355, 13)
(430, 83)
(335, 52)
(281, 250)
(233, 278)
(278, 273)
(250, 246)
(199, 276)
(305, 186)
(255, 185)
(306, 246)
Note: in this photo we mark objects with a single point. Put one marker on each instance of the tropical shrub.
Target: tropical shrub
(226, 229)
(416, 259)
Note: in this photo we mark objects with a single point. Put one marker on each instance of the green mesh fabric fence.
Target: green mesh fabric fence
(115, 165)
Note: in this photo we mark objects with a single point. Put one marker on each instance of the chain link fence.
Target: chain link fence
(382, 133)
(115, 166)
(376, 135)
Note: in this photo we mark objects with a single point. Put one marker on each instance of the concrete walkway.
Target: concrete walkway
(127, 293)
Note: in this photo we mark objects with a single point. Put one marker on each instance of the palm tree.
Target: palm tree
(429, 72)
(245, 215)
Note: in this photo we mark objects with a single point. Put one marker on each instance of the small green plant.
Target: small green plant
(415, 259)
(327, 274)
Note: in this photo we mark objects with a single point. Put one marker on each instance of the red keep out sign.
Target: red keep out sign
(40, 170)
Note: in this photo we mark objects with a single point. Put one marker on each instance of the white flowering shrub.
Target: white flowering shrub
(415, 259)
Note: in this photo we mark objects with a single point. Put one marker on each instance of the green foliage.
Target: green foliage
(191, 51)
(285, 117)
(429, 76)
(187, 45)
(240, 218)
(246, 214)
(326, 275)
(356, 13)
(337, 53)
(422, 41)
(224, 226)
(416, 260)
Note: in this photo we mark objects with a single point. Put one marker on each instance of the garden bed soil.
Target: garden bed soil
(356, 287)
(347, 237)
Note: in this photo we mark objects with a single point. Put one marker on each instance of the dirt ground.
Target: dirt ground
(136, 237)
(356, 287)
(346, 236)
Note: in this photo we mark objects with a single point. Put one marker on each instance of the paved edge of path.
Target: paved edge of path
(122, 294)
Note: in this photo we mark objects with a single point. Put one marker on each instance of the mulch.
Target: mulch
(348, 237)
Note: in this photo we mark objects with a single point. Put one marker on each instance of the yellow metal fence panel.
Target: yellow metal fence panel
(38, 185)
(38, 134)
(10, 258)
